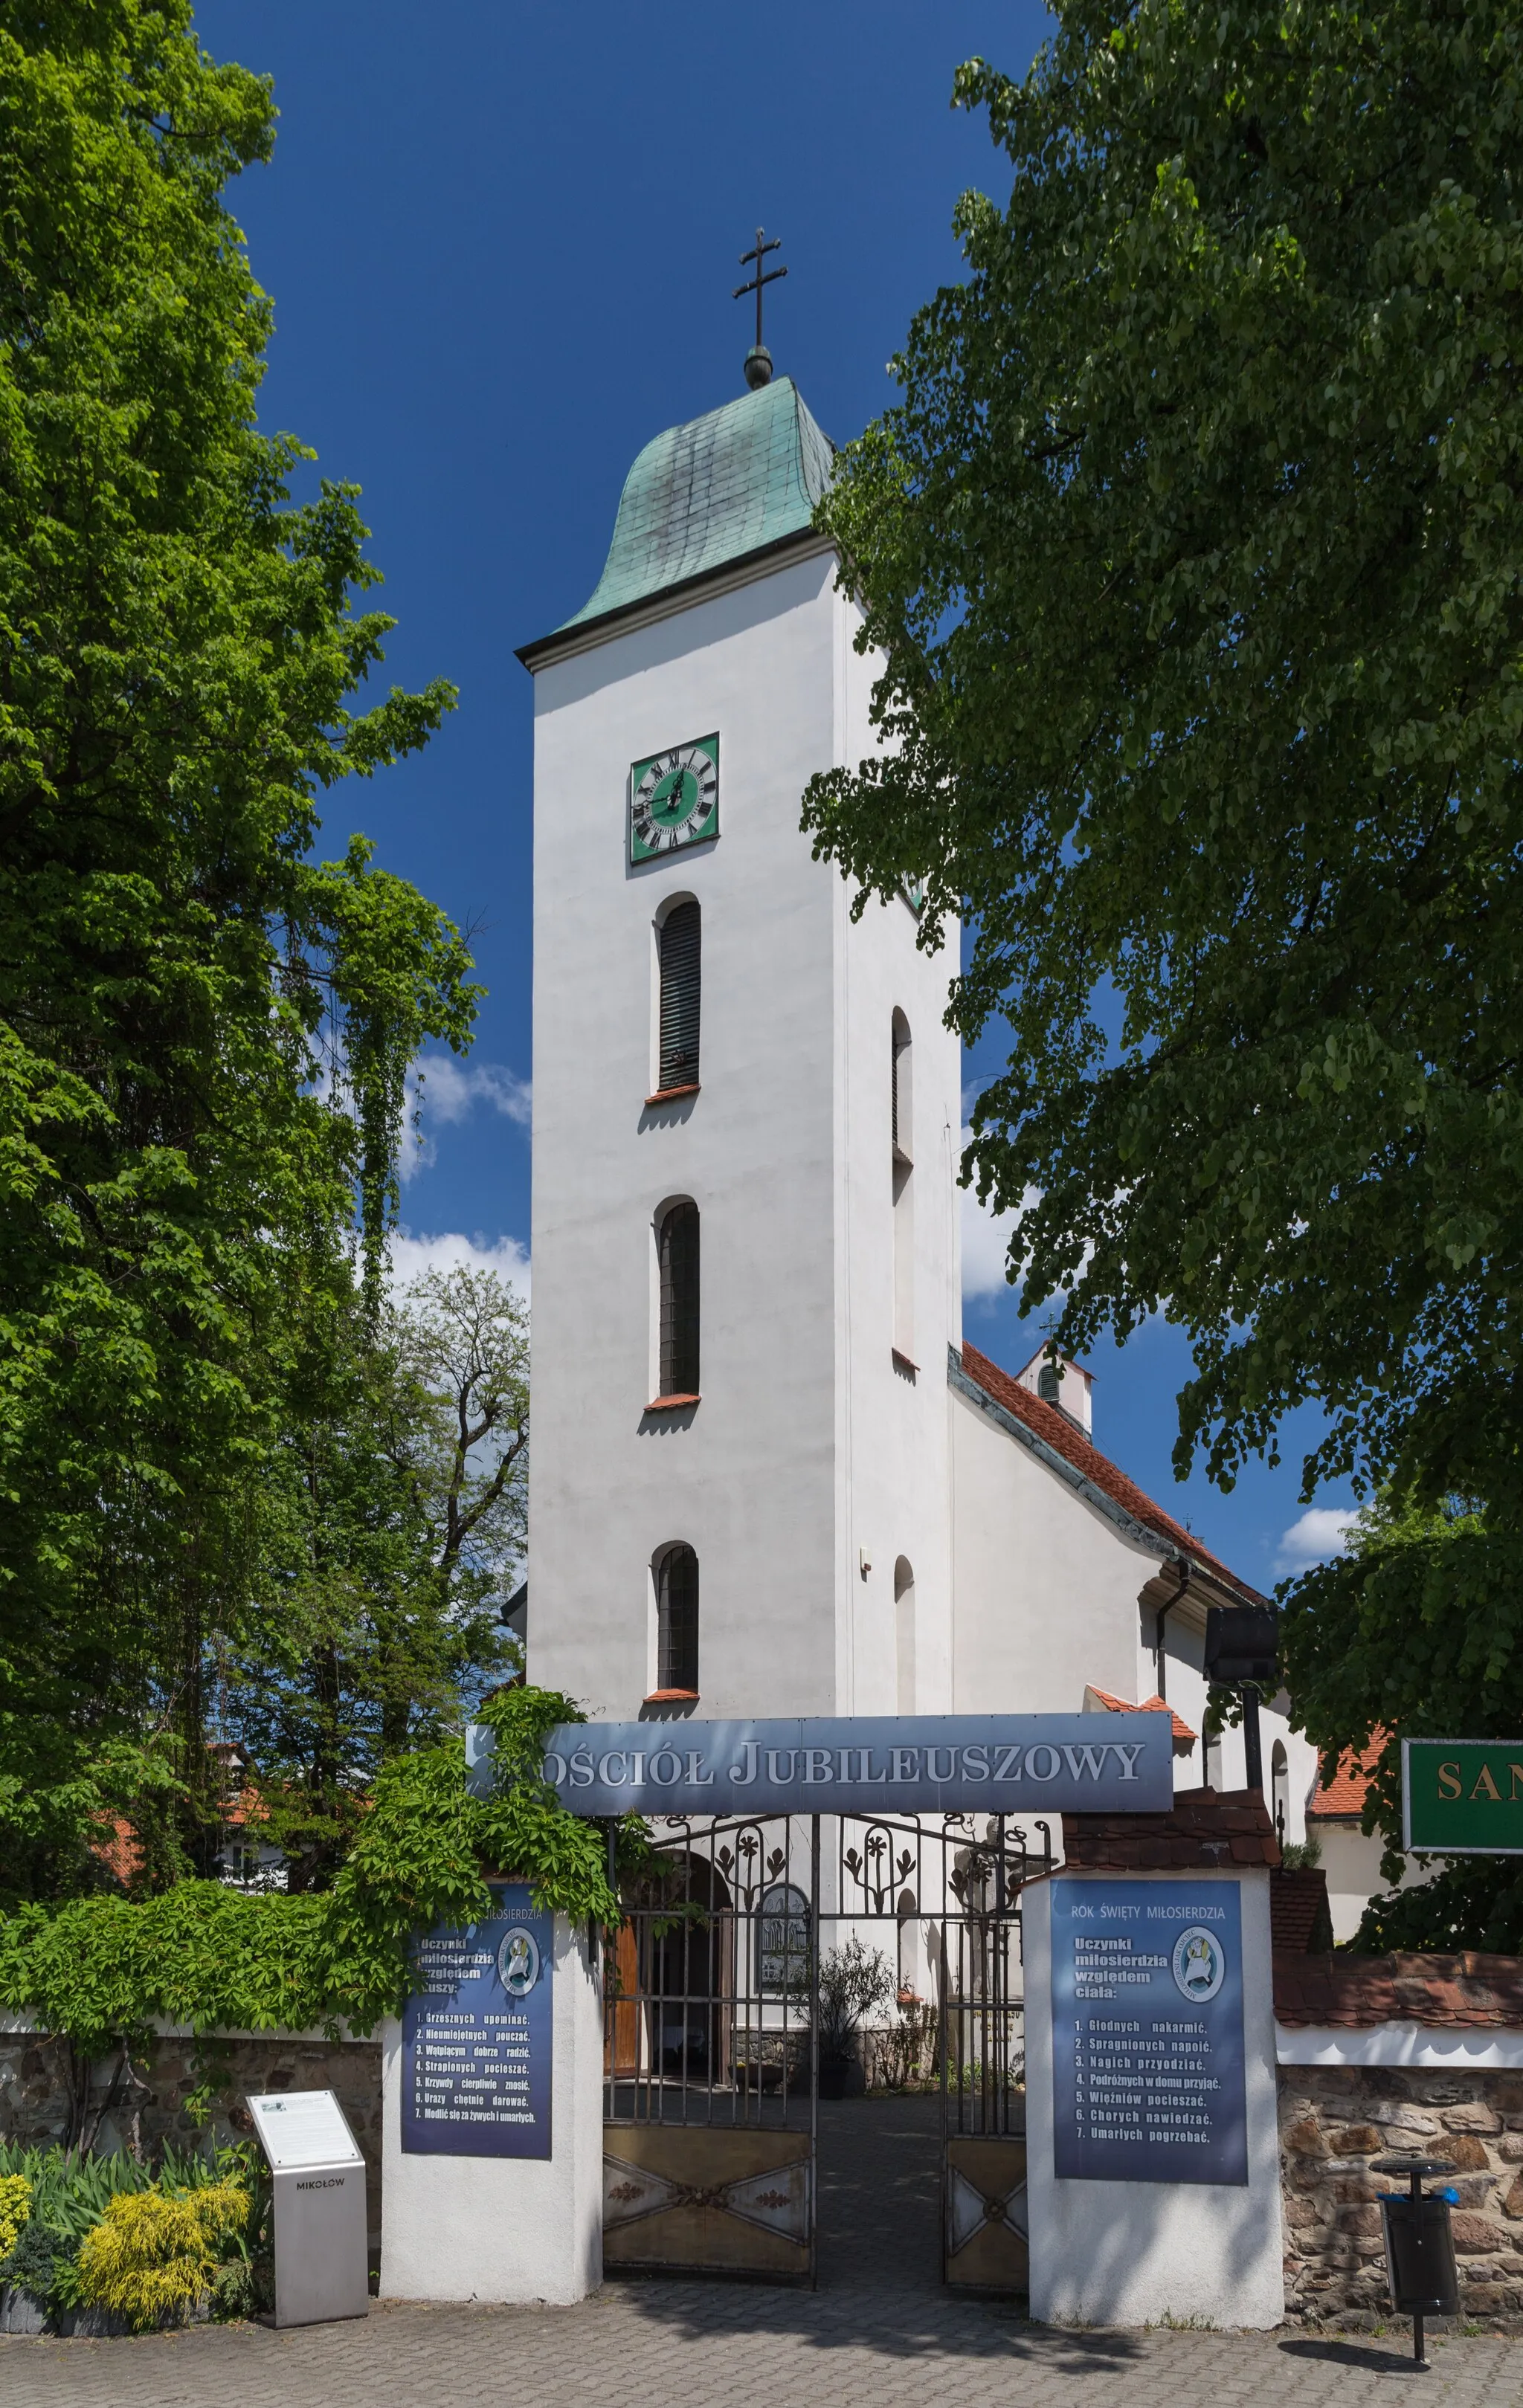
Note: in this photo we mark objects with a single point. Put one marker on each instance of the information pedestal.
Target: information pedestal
(322, 2266)
(1153, 2163)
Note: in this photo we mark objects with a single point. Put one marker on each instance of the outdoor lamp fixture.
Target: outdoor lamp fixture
(1242, 1653)
(1419, 2246)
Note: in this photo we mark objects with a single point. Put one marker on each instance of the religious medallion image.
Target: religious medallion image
(518, 1962)
(674, 799)
(1198, 1963)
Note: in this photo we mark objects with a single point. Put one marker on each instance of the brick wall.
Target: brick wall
(1333, 2119)
(142, 2105)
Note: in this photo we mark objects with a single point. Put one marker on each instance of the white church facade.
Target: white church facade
(769, 1475)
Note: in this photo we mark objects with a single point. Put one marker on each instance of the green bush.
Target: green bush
(100, 1969)
(72, 2197)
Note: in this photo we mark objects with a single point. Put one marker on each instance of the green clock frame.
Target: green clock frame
(674, 799)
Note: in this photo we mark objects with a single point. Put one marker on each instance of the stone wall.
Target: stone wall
(182, 2091)
(1333, 2119)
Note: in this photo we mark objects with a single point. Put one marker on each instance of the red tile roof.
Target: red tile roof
(1358, 1991)
(1056, 1429)
(119, 1848)
(1301, 1915)
(1344, 1791)
(1153, 1705)
(1205, 1830)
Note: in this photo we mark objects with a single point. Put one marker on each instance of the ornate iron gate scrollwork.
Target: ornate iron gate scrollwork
(714, 2022)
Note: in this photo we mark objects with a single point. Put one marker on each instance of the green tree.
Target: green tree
(380, 1614)
(1192, 554)
(204, 1032)
(1414, 1629)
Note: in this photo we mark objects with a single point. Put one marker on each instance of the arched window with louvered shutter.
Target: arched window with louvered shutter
(676, 1571)
(677, 1245)
(902, 1188)
(680, 937)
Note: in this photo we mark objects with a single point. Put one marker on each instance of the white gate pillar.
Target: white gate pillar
(486, 2061)
(1153, 2160)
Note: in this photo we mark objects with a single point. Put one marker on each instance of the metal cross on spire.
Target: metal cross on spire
(759, 359)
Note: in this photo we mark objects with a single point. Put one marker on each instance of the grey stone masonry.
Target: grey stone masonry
(1334, 2120)
(182, 2091)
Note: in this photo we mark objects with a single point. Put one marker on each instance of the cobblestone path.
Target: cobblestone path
(878, 2333)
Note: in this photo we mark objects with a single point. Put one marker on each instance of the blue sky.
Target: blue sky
(501, 242)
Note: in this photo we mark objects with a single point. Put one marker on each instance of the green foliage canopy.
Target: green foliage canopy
(204, 1032)
(98, 1969)
(1193, 548)
(395, 1530)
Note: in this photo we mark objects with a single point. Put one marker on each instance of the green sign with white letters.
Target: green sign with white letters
(1462, 1796)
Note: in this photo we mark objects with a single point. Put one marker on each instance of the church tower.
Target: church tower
(746, 1129)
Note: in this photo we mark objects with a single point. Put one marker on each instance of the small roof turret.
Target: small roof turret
(737, 482)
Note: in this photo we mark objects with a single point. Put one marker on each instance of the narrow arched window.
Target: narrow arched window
(677, 1619)
(902, 1191)
(680, 940)
(677, 1242)
(1280, 1788)
(903, 1115)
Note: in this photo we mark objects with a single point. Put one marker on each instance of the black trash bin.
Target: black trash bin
(1419, 2246)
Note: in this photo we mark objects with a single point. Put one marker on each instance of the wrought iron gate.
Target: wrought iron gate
(725, 2025)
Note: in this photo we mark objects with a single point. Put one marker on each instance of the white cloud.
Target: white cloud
(412, 1256)
(452, 1091)
(985, 1234)
(1321, 1531)
(445, 1091)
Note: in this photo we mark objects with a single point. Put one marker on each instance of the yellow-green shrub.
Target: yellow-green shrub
(15, 2208)
(150, 2255)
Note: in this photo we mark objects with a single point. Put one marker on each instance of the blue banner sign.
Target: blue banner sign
(1147, 2032)
(858, 1764)
(477, 2037)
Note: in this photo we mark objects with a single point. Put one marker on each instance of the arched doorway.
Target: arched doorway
(685, 1971)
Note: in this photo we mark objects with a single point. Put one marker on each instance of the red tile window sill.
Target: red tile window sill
(903, 1363)
(670, 1404)
(670, 1095)
(672, 1698)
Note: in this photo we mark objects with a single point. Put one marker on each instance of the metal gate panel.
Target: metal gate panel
(714, 2042)
(985, 2231)
(696, 2198)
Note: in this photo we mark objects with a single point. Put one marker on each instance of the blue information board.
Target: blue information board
(1147, 2032)
(476, 2037)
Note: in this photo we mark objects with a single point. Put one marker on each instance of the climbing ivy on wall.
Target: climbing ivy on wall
(99, 1970)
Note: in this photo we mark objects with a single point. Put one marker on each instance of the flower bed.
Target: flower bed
(106, 2244)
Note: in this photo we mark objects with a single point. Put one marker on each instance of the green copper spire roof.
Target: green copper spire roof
(703, 494)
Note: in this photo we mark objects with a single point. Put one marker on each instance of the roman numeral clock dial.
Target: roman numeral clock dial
(674, 799)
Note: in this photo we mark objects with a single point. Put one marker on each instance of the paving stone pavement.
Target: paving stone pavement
(880, 2333)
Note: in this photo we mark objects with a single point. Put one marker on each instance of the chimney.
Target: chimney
(1065, 1385)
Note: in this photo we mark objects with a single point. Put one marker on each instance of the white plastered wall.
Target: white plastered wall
(809, 1453)
(1048, 1591)
(1185, 1687)
(1046, 1583)
(1351, 1860)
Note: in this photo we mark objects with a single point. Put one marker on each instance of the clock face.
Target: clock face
(674, 798)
